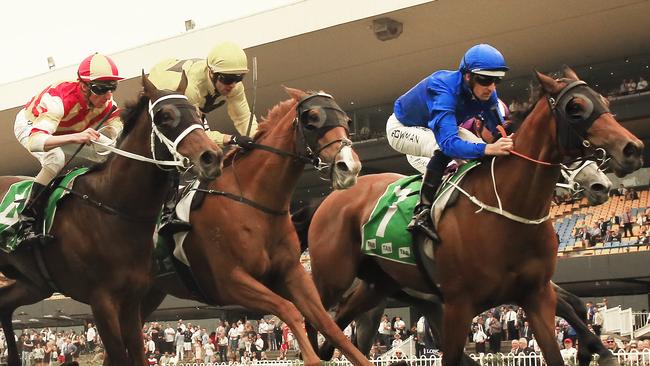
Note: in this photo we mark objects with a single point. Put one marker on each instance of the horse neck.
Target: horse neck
(132, 185)
(537, 139)
(267, 177)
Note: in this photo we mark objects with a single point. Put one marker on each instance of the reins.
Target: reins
(309, 157)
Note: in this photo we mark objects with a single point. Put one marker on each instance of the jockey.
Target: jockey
(62, 114)
(212, 83)
(426, 121)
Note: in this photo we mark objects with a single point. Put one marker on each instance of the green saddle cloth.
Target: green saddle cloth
(13, 203)
(385, 234)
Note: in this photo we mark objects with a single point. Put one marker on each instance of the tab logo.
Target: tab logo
(387, 248)
(371, 244)
(404, 252)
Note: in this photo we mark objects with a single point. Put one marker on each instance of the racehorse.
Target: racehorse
(584, 178)
(242, 248)
(499, 260)
(579, 177)
(102, 246)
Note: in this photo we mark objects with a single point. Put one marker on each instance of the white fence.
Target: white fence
(624, 358)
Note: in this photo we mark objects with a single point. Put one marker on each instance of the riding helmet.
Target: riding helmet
(228, 58)
(484, 59)
(98, 67)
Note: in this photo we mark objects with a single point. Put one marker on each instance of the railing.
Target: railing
(633, 358)
(640, 319)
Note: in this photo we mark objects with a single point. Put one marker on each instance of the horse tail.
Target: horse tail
(301, 218)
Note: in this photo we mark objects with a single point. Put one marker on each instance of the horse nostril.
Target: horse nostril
(342, 166)
(597, 187)
(208, 158)
(630, 150)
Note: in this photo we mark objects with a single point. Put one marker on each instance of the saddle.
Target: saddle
(170, 263)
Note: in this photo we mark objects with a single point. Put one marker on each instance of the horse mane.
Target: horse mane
(129, 116)
(272, 118)
(536, 93)
(131, 112)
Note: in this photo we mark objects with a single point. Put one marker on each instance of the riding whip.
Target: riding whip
(250, 120)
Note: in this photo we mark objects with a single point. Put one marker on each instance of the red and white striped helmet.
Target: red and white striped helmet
(98, 67)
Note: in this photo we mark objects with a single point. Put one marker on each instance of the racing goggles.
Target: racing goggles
(228, 79)
(484, 80)
(102, 87)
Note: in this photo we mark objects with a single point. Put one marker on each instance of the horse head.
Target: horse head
(585, 123)
(179, 130)
(585, 177)
(322, 135)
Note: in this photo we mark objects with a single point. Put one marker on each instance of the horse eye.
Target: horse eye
(574, 109)
(168, 117)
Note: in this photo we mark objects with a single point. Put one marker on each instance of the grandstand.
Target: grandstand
(569, 216)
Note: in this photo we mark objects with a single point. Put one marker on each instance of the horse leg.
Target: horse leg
(433, 313)
(13, 359)
(304, 295)
(150, 302)
(105, 312)
(540, 312)
(15, 293)
(456, 320)
(244, 290)
(130, 325)
(573, 310)
(367, 324)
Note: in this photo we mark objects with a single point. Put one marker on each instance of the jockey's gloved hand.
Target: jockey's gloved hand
(241, 141)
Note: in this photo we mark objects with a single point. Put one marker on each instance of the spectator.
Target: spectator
(569, 353)
(611, 344)
(479, 336)
(397, 340)
(384, 331)
(641, 85)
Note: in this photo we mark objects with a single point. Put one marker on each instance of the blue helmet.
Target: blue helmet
(483, 59)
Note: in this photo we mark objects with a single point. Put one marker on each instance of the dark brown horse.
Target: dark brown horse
(102, 255)
(485, 259)
(245, 251)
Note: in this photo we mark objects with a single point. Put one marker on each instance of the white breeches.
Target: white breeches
(418, 143)
(52, 161)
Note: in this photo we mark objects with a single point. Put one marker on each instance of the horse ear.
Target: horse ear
(569, 73)
(183, 84)
(294, 93)
(149, 88)
(549, 85)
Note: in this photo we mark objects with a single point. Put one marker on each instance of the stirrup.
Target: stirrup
(421, 223)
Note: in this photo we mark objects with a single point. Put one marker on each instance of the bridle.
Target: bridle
(307, 151)
(157, 137)
(308, 133)
(572, 128)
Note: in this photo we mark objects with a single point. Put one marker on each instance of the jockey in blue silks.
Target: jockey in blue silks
(426, 121)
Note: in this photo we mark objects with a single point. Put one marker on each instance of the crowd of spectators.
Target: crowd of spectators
(47, 347)
(617, 227)
(631, 86)
(243, 341)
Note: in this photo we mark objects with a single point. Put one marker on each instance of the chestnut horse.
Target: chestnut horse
(486, 258)
(102, 246)
(578, 178)
(243, 250)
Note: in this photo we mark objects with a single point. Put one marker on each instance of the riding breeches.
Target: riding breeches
(52, 161)
(418, 143)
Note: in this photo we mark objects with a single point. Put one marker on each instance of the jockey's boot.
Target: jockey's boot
(430, 183)
(31, 229)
